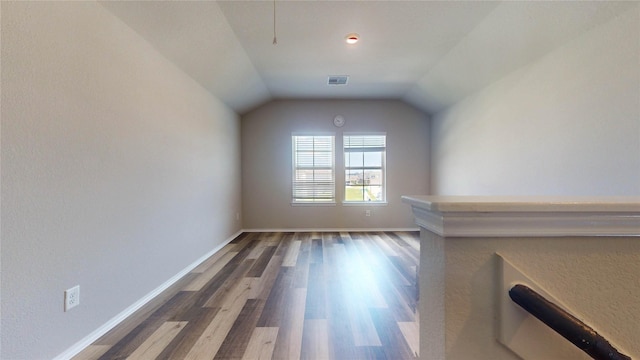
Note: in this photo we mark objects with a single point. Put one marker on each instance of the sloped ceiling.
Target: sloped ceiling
(430, 54)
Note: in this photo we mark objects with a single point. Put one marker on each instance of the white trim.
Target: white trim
(331, 230)
(530, 224)
(364, 203)
(312, 203)
(486, 218)
(96, 334)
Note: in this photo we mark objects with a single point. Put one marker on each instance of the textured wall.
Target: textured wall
(568, 124)
(118, 171)
(432, 296)
(596, 278)
(266, 162)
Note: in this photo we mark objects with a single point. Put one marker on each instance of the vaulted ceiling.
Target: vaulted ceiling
(430, 54)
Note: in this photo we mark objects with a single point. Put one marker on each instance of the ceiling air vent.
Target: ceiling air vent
(338, 80)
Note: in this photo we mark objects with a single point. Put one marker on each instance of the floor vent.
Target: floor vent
(338, 80)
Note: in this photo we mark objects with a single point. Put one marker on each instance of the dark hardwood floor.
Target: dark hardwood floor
(348, 295)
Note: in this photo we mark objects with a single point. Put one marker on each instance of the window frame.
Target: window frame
(295, 166)
(383, 168)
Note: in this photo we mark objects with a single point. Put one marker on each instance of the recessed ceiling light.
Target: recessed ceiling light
(352, 38)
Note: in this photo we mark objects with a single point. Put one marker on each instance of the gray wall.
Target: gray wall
(568, 124)
(118, 172)
(266, 162)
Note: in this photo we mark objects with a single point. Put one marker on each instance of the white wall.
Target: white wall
(118, 171)
(266, 162)
(568, 124)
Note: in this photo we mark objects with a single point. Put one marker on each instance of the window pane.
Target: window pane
(323, 159)
(354, 177)
(373, 159)
(304, 159)
(313, 169)
(373, 177)
(364, 167)
(364, 141)
(354, 159)
(354, 193)
(373, 193)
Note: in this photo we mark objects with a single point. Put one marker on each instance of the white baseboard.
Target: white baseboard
(332, 230)
(96, 334)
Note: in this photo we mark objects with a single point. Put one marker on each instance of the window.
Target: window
(313, 169)
(364, 164)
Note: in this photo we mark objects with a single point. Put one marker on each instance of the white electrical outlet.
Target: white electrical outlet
(367, 213)
(71, 298)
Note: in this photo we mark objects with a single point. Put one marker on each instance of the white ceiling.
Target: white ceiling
(428, 53)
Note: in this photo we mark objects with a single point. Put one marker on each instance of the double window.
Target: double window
(314, 168)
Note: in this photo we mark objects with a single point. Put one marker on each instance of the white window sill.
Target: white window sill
(313, 204)
(365, 203)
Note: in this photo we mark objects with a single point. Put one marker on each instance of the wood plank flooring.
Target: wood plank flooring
(330, 295)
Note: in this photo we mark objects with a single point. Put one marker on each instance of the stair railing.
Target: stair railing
(565, 324)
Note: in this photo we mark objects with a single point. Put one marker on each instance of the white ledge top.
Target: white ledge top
(525, 203)
(481, 216)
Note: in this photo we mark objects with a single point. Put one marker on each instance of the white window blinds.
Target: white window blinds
(313, 169)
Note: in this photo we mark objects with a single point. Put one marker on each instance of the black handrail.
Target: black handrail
(565, 324)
